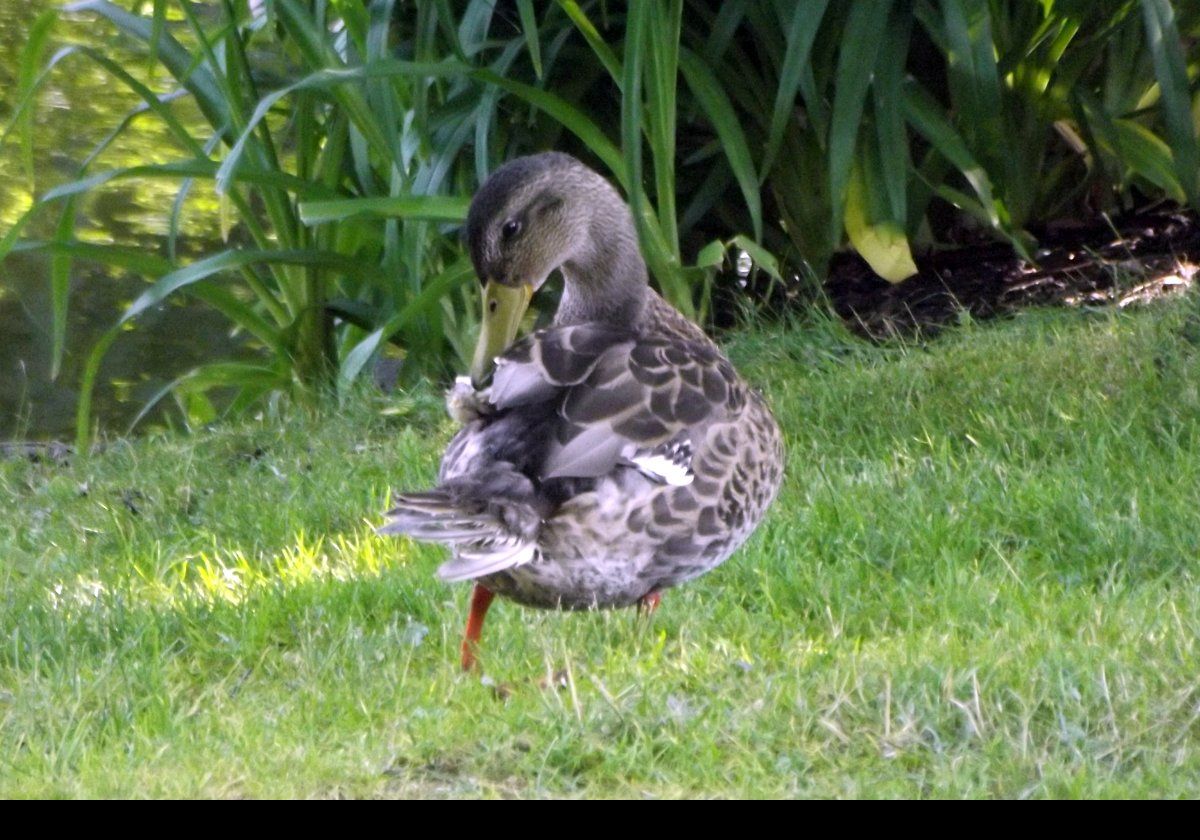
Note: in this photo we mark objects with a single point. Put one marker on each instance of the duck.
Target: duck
(606, 457)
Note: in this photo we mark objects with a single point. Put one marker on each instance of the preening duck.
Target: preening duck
(602, 459)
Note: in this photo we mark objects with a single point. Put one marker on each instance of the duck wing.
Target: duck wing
(618, 399)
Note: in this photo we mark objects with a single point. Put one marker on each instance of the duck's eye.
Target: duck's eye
(511, 228)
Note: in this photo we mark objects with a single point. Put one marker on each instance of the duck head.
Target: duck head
(549, 212)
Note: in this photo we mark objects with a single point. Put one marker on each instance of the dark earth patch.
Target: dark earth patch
(1119, 260)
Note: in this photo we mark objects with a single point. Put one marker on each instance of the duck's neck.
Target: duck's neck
(605, 281)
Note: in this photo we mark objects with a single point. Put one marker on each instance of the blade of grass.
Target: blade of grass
(335, 79)
(975, 83)
(728, 19)
(157, 25)
(457, 274)
(240, 313)
(181, 169)
(137, 260)
(570, 117)
(1134, 147)
(354, 361)
(241, 375)
(173, 55)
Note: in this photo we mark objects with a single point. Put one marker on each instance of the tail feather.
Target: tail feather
(486, 559)
(480, 534)
(449, 533)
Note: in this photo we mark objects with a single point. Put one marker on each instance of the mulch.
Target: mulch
(1118, 261)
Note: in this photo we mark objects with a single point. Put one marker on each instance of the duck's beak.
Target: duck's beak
(503, 307)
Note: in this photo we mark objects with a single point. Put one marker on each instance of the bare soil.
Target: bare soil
(1102, 261)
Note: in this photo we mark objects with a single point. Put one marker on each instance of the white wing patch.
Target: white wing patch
(670, 463)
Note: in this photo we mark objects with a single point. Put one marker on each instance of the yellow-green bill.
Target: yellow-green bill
(503, 308)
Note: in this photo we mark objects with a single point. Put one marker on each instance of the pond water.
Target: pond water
(76, 109)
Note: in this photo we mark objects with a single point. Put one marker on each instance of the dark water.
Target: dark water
(76, 109)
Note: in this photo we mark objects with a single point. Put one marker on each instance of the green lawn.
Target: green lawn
(980, 579)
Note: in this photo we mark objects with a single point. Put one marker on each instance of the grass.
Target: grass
(980, 580)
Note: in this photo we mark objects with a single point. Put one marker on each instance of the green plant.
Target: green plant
(343, 138)
(346, 119)
(861, 114)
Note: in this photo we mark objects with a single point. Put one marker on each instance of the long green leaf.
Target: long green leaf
(137, 260)
(233, 259)
(434, 208)
(157, 24)
(354, 361)
(1132, 146)
(230, 375)
(22, 107)
(602, 50)
(60, 287)
(245, 376)
(12, 237)
(155, 103)
(1170, 66)
(802, 31)
(242, 314)
(180, 169)
(173, 55)
(728, 19)
(530, 26)
(27, 74)
(420, 305)
(975, 83)
(926, 116)
(662, 107)
(571, 118)
(637, 44)
(87, 387)
(860, 41)
(888, 111)
(717, 107)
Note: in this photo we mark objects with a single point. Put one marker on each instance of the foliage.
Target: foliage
(866, 118)
(344, 138)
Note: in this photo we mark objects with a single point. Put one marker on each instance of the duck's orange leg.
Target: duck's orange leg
(649, 602)
(481, 599)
